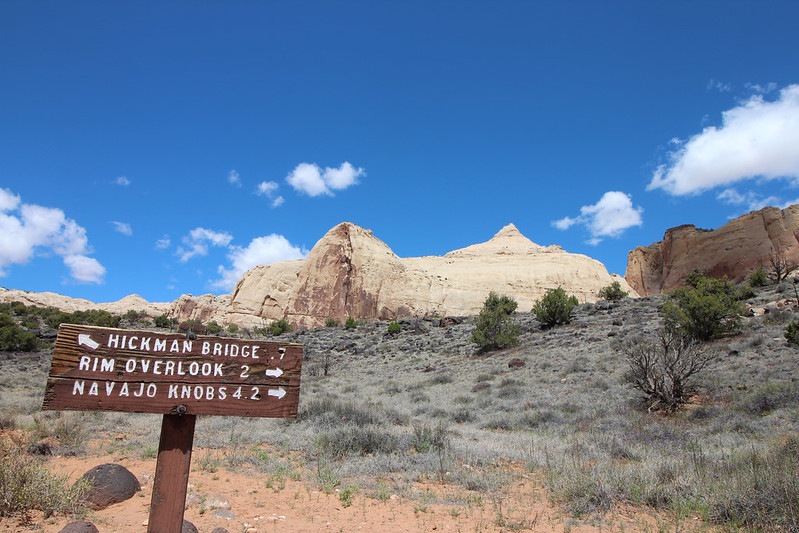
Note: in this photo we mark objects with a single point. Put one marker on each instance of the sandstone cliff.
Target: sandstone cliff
(350, 272)
(733, 250)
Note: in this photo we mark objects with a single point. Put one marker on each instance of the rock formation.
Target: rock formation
(733, 250)
(350, 272)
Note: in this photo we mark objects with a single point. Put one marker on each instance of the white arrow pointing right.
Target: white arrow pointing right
(276, 373)
(277, 393)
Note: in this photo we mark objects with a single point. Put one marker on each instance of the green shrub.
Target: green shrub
(612, 292)
(494, 327)
(704, 310)
(213, 328)
(350, 323)
(758, 278)
(792, 332)
(555, 307)
(332, 323)
(279, 327)
(232, 328)
(394, 328)
(15, 339)
(162, 321)
(26, 486)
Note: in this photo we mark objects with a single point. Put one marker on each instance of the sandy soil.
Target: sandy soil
(301, 506)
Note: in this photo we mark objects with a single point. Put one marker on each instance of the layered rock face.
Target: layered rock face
(350, 272)
(733, 250)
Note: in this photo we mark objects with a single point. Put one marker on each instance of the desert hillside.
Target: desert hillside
(419, 431)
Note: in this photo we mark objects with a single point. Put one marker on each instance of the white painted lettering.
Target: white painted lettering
(77, 387)
(209, 393)
(94, 365)
(254, 349)
(152, 389)
(131, 341)
(185, 392)
(187, 346)
(180, 371)
(206, 349)
(234, 350)
(198, 392)
(145, 344)
(160, 345)
(222, 393)
(109, 387)
(94, 390)
(217, 369)
(206, 369)
(130, 365)
(169, 368)
(84, 363)
(174, 347)
(145, 365)
(173, 391)
(217, 348)
(107, 365)
(138, 393)
(113, 341)
(194, 368)
(156, 370)
(124, 390)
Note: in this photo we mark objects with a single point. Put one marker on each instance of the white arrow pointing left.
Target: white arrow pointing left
(86, 340)
(277, 393)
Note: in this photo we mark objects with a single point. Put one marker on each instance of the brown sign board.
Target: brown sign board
(107, 369)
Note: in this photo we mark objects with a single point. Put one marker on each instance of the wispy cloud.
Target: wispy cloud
(122, 227)
(122, 181)
(163, 243)
(198, 240)
(609, 217)
(26, 229)
(757, 139)
(310, 179)
(261, 251)
(269, 189)
(234, 179)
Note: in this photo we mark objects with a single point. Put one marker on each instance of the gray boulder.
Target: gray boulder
(110, 484)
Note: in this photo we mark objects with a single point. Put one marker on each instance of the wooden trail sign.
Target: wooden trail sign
(106, 369)
(179, 376)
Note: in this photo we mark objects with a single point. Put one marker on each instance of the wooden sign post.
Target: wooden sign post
(177, 375)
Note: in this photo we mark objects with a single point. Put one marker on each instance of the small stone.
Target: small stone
(215, 500)
(193, 498)
(80, 527)
(224, 513)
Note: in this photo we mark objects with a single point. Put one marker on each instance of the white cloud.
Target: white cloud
(609, 217)
(199, 239)
(122, 227)
(27, 229)
(752, 200)
(163, 243)
(85, 269)
(312, 180)
(234, 179)
(269, 189)
(122, 181)
(261, 251)
(758, 139)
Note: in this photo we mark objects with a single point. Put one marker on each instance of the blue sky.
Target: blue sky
(162, 148)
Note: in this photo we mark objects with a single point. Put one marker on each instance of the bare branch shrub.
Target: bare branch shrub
(662, 368)
(781, 267)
